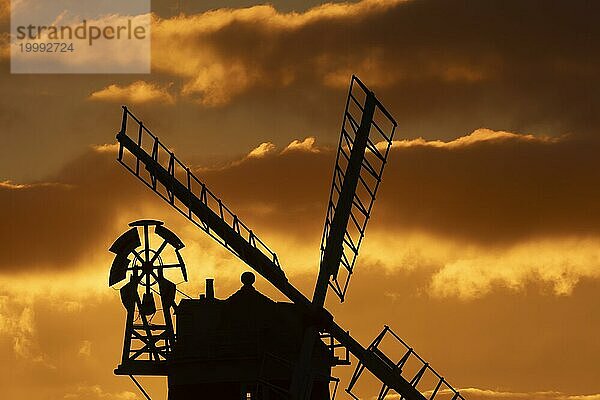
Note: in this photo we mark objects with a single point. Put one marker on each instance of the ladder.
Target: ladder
(422, 376)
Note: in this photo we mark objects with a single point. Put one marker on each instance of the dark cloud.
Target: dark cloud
(441, 66)
(495, 192)
(53, 225)
(166, 9)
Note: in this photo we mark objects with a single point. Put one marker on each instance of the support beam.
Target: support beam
(140, 387)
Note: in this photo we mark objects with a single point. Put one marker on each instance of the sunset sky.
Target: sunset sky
(483, 251)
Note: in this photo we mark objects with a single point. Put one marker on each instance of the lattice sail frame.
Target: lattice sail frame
(381, 133)
(411, 366)
(150, 143)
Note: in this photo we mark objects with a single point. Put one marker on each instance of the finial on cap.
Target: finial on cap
(248, 278)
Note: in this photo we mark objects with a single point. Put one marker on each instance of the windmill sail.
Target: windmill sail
(365, 140)
(414, 368)
(142, 154)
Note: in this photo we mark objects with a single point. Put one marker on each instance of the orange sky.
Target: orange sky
(483, 250)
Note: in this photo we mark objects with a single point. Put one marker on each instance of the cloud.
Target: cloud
(4, 10)
(217, 84)
(51, 225)
(489, 188)
(268, 148)
(463, 270)
(559, 263)
(43, 343)
(484, 211)
(96, 392)
(494, 192)
(17, 321)
(487, 210)
(4, 46)
(307, 145)
(262, 150)
(403, 51)
(138, 92)
(478, 136)
(218, 73)
(106, 148)
(10, 185)
(440, 74)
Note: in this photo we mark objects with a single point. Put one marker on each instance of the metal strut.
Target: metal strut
(140, 387)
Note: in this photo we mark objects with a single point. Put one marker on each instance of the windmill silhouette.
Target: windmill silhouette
(247, 346)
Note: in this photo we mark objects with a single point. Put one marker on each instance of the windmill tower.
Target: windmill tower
(148, 328)
(298, 368)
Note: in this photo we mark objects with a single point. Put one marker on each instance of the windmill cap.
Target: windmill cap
(248, 278)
